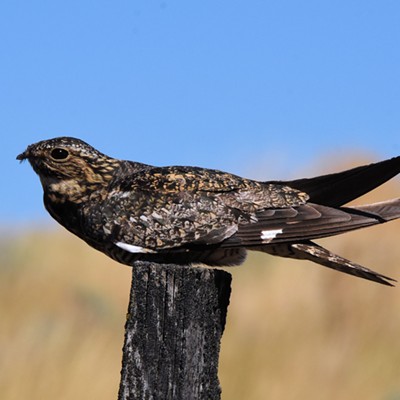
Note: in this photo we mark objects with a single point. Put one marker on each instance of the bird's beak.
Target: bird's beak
(23, 156)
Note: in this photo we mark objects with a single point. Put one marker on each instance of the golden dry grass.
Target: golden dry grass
(295, 330)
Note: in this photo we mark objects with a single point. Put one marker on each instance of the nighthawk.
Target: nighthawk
(183, 215)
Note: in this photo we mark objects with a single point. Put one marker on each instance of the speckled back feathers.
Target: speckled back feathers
(130, 210)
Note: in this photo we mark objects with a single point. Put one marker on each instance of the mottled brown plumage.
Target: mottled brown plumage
(132, 211)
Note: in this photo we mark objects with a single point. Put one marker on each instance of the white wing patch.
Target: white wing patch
(133, 249)
(268, 236)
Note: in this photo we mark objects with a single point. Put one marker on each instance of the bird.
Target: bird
(184, 215)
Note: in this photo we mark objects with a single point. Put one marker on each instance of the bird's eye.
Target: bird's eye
(59, 154)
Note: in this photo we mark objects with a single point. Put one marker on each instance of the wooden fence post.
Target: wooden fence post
(175, 321)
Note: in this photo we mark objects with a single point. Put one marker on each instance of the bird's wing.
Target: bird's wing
(178, 207)
(311, 221)
(339, 188)
(165, 208)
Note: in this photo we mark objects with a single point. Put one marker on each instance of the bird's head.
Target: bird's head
(66, 161)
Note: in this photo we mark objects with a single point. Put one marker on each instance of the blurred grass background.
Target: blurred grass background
(295, 330)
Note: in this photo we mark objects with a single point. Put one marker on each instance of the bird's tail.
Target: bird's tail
(298, 246)
(313, 252)
(308, 250)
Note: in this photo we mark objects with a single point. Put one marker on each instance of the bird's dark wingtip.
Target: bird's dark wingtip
(339, 188)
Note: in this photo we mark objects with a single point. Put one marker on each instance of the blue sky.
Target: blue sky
(260, 88)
